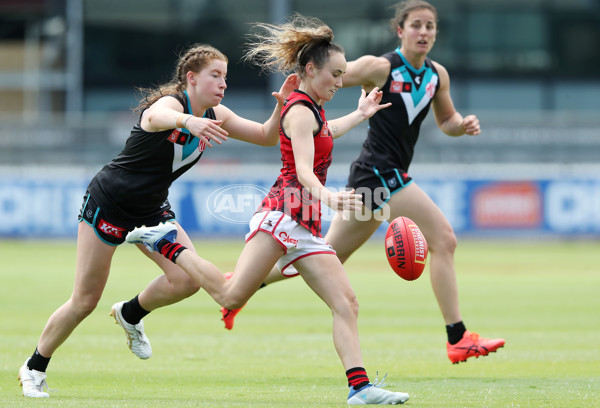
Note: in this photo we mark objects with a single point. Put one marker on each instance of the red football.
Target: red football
(406, 248)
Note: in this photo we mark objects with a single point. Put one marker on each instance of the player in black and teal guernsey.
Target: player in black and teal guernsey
(177, 122)
(413, 83)
(382, 165)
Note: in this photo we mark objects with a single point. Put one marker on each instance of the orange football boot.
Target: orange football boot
(471, 345)
(229, 314)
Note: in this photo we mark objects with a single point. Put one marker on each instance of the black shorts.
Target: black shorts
(110, 228)
(376, 185)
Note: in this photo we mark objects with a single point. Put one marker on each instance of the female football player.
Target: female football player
(177, 122)
(413, 83)
(287, 227)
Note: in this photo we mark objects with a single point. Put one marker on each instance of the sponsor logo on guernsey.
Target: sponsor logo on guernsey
(400, 86)
(110, 229)
(178, 137)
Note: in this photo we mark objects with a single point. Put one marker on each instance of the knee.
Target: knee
(186, 286)
(83, 306)
(444, 241)
(354, 306)
(348, 306)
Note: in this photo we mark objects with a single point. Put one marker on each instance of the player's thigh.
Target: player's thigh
(93, 263)
(346, 236)
(325, 275)
(255, 262)
(414, 203)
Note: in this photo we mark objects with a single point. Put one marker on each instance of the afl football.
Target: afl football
(405, 248)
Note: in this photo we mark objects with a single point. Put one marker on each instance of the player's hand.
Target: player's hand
(344, 202)
(369, 104)
(291, 82)
(207, 130)
(470, 125)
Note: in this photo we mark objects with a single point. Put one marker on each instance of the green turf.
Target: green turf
(542, 297)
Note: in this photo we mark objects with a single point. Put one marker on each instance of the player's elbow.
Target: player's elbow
(452, 126)
(271, 142)
(266, 139)
(305, 175)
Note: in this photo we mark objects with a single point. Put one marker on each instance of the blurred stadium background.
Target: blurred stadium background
(529, 70)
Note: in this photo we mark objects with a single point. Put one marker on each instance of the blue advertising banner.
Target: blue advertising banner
(31, 207)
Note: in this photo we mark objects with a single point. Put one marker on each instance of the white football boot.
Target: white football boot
(372, 394)
(33, 382)
(136, 338)
(150, 236)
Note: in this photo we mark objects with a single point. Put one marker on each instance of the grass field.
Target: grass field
(543, 298)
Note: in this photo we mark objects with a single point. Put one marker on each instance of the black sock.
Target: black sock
(38, 362)
(455, 332)
(132, 311)
(357, 377)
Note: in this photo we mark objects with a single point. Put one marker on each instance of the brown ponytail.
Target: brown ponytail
(289, 47)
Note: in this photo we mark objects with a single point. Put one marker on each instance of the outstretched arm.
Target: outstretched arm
(264, 134)
(367, 71)
(167, 113)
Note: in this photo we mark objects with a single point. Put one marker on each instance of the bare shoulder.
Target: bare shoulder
(299, 117)
(300, 110)
(442, 72)
(168, 101)
(367, 71)
(372, 63)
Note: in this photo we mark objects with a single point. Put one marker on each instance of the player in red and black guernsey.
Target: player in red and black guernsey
(288, 195)
(412, 83)
(178, 121)
(286, 228)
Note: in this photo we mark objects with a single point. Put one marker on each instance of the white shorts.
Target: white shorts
(296, 241)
